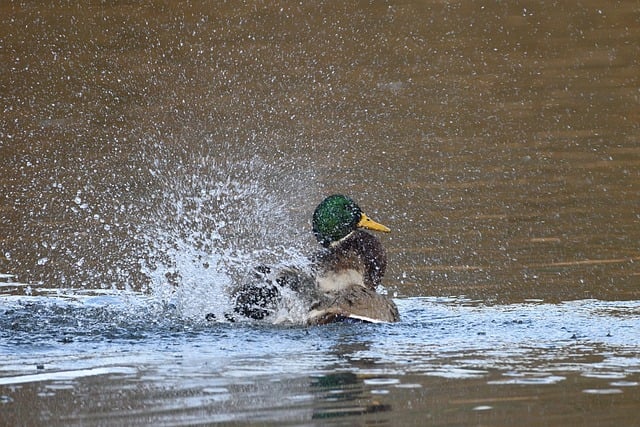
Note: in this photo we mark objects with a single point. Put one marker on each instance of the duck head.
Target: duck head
(338, 216)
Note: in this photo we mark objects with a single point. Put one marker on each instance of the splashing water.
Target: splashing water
(182, 225)
(215, 221)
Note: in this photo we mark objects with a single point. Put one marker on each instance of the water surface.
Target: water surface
(150, 153)
(450, 361)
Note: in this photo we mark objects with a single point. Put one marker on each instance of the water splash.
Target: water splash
(182, 223)
(216, 219)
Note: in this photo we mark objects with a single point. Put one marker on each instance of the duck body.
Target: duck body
(347, 275)
(359, 259)
(356, 303)
(344, 274)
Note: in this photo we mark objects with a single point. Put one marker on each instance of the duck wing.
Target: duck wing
(355, 303)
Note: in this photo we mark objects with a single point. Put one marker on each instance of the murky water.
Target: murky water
(152, 152)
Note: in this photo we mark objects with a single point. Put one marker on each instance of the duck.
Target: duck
(350, 265)
(344, 275)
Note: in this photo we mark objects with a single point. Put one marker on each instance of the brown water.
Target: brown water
(500, 142)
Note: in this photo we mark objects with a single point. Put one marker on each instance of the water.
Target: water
(109, 358)
(152, 154)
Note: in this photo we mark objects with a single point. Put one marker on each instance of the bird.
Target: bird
(344, 274)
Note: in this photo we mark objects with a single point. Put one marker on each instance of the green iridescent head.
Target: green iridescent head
(337, 216)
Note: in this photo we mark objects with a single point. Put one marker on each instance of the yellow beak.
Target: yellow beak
(369, 224)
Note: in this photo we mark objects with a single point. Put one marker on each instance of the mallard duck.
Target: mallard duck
(350, 266)
(345, 272)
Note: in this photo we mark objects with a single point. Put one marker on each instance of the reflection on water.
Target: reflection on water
(150, 152)
(343, 394)
(113, 358)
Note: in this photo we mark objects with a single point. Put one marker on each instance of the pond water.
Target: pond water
(152, 152)
(117, 358)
